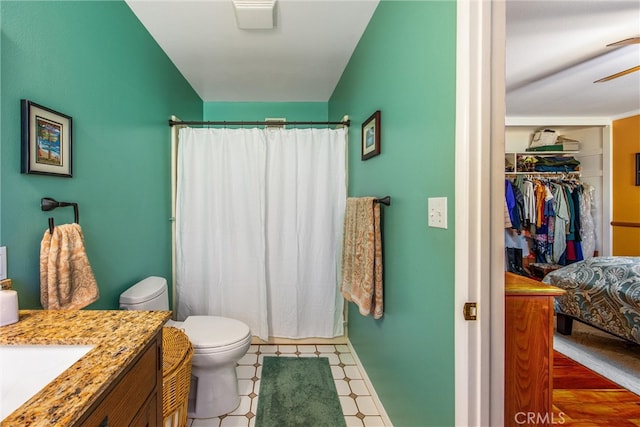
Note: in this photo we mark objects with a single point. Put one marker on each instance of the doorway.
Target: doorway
(480, 117)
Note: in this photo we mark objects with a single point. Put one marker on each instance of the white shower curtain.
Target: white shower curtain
(259, 228)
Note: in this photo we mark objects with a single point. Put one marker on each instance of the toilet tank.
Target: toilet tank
(148, 294)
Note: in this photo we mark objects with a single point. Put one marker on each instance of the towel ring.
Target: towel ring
(49, 204)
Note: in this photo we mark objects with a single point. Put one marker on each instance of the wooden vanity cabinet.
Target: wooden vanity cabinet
(528, 350)
(135, 398)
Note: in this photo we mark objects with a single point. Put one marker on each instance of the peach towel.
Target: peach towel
(66, 278)
(362, 256)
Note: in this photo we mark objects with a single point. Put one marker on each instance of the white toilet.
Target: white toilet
(218, 344)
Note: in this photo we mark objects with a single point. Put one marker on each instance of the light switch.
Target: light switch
(437, 211)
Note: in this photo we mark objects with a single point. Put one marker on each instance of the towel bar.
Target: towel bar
(384, 200)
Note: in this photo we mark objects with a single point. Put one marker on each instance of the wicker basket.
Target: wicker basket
(177, 352)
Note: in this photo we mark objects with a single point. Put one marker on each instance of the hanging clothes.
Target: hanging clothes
(530, 202)
(562, 221)
(515, 205)
(588, 233)
(555, 216)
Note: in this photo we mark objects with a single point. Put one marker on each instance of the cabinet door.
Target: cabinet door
(147, 417)
(130, 393)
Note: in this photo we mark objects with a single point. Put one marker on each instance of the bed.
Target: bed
(603, 292)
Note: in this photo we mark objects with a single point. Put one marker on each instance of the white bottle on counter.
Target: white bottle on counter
(8, 307)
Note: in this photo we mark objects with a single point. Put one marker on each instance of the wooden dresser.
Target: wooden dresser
(528, 351)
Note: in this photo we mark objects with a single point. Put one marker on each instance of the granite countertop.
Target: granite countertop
(117, 337)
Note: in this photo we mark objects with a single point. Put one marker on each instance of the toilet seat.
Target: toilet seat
(214, 350)
(213, 334)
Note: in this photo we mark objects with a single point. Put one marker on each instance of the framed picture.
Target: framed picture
(371, 136)
(46, 141)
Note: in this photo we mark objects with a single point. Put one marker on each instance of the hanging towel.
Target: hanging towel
(362, 256)
(66, 278)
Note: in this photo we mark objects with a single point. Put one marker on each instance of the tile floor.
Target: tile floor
(357, 403)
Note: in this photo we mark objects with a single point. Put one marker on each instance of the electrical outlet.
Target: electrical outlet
(437, 211)
(3, 262)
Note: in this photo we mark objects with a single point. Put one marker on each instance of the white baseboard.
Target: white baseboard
(341, 340)
(367, 381)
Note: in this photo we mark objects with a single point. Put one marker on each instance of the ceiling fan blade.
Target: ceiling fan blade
(620, 74)
(632, 40)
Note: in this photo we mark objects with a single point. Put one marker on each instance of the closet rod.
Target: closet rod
(265, 123)
(546, 175)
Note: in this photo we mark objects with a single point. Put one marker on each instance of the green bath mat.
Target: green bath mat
(298, 392)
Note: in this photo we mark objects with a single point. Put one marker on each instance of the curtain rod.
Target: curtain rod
(273, 123)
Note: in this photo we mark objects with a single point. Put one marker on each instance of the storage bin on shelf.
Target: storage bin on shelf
(177, 353)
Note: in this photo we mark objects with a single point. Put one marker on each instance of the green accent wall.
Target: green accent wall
(95, 62)
(258, 111)
(404, 66)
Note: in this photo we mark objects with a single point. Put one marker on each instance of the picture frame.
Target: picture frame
(46, 141)
(637, 169)
(371, 136)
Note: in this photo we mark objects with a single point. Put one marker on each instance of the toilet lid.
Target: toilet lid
(144, 291)
(213, 331)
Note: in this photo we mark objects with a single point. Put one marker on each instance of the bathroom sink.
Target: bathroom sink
(26, 369)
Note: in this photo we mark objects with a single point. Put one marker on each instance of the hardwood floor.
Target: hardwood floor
(583, 398)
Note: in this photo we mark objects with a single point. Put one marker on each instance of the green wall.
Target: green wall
(258, 111)
(95, 62)
(404, 66)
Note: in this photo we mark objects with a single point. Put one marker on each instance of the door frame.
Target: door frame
(479, 212)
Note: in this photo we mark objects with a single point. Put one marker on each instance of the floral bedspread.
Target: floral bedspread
(602, 291)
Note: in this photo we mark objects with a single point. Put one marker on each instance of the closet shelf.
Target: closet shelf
(542, 153)
(545, 173)
(514, 166)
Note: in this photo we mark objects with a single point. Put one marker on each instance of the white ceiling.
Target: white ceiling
(555, 50)
(301, 59)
